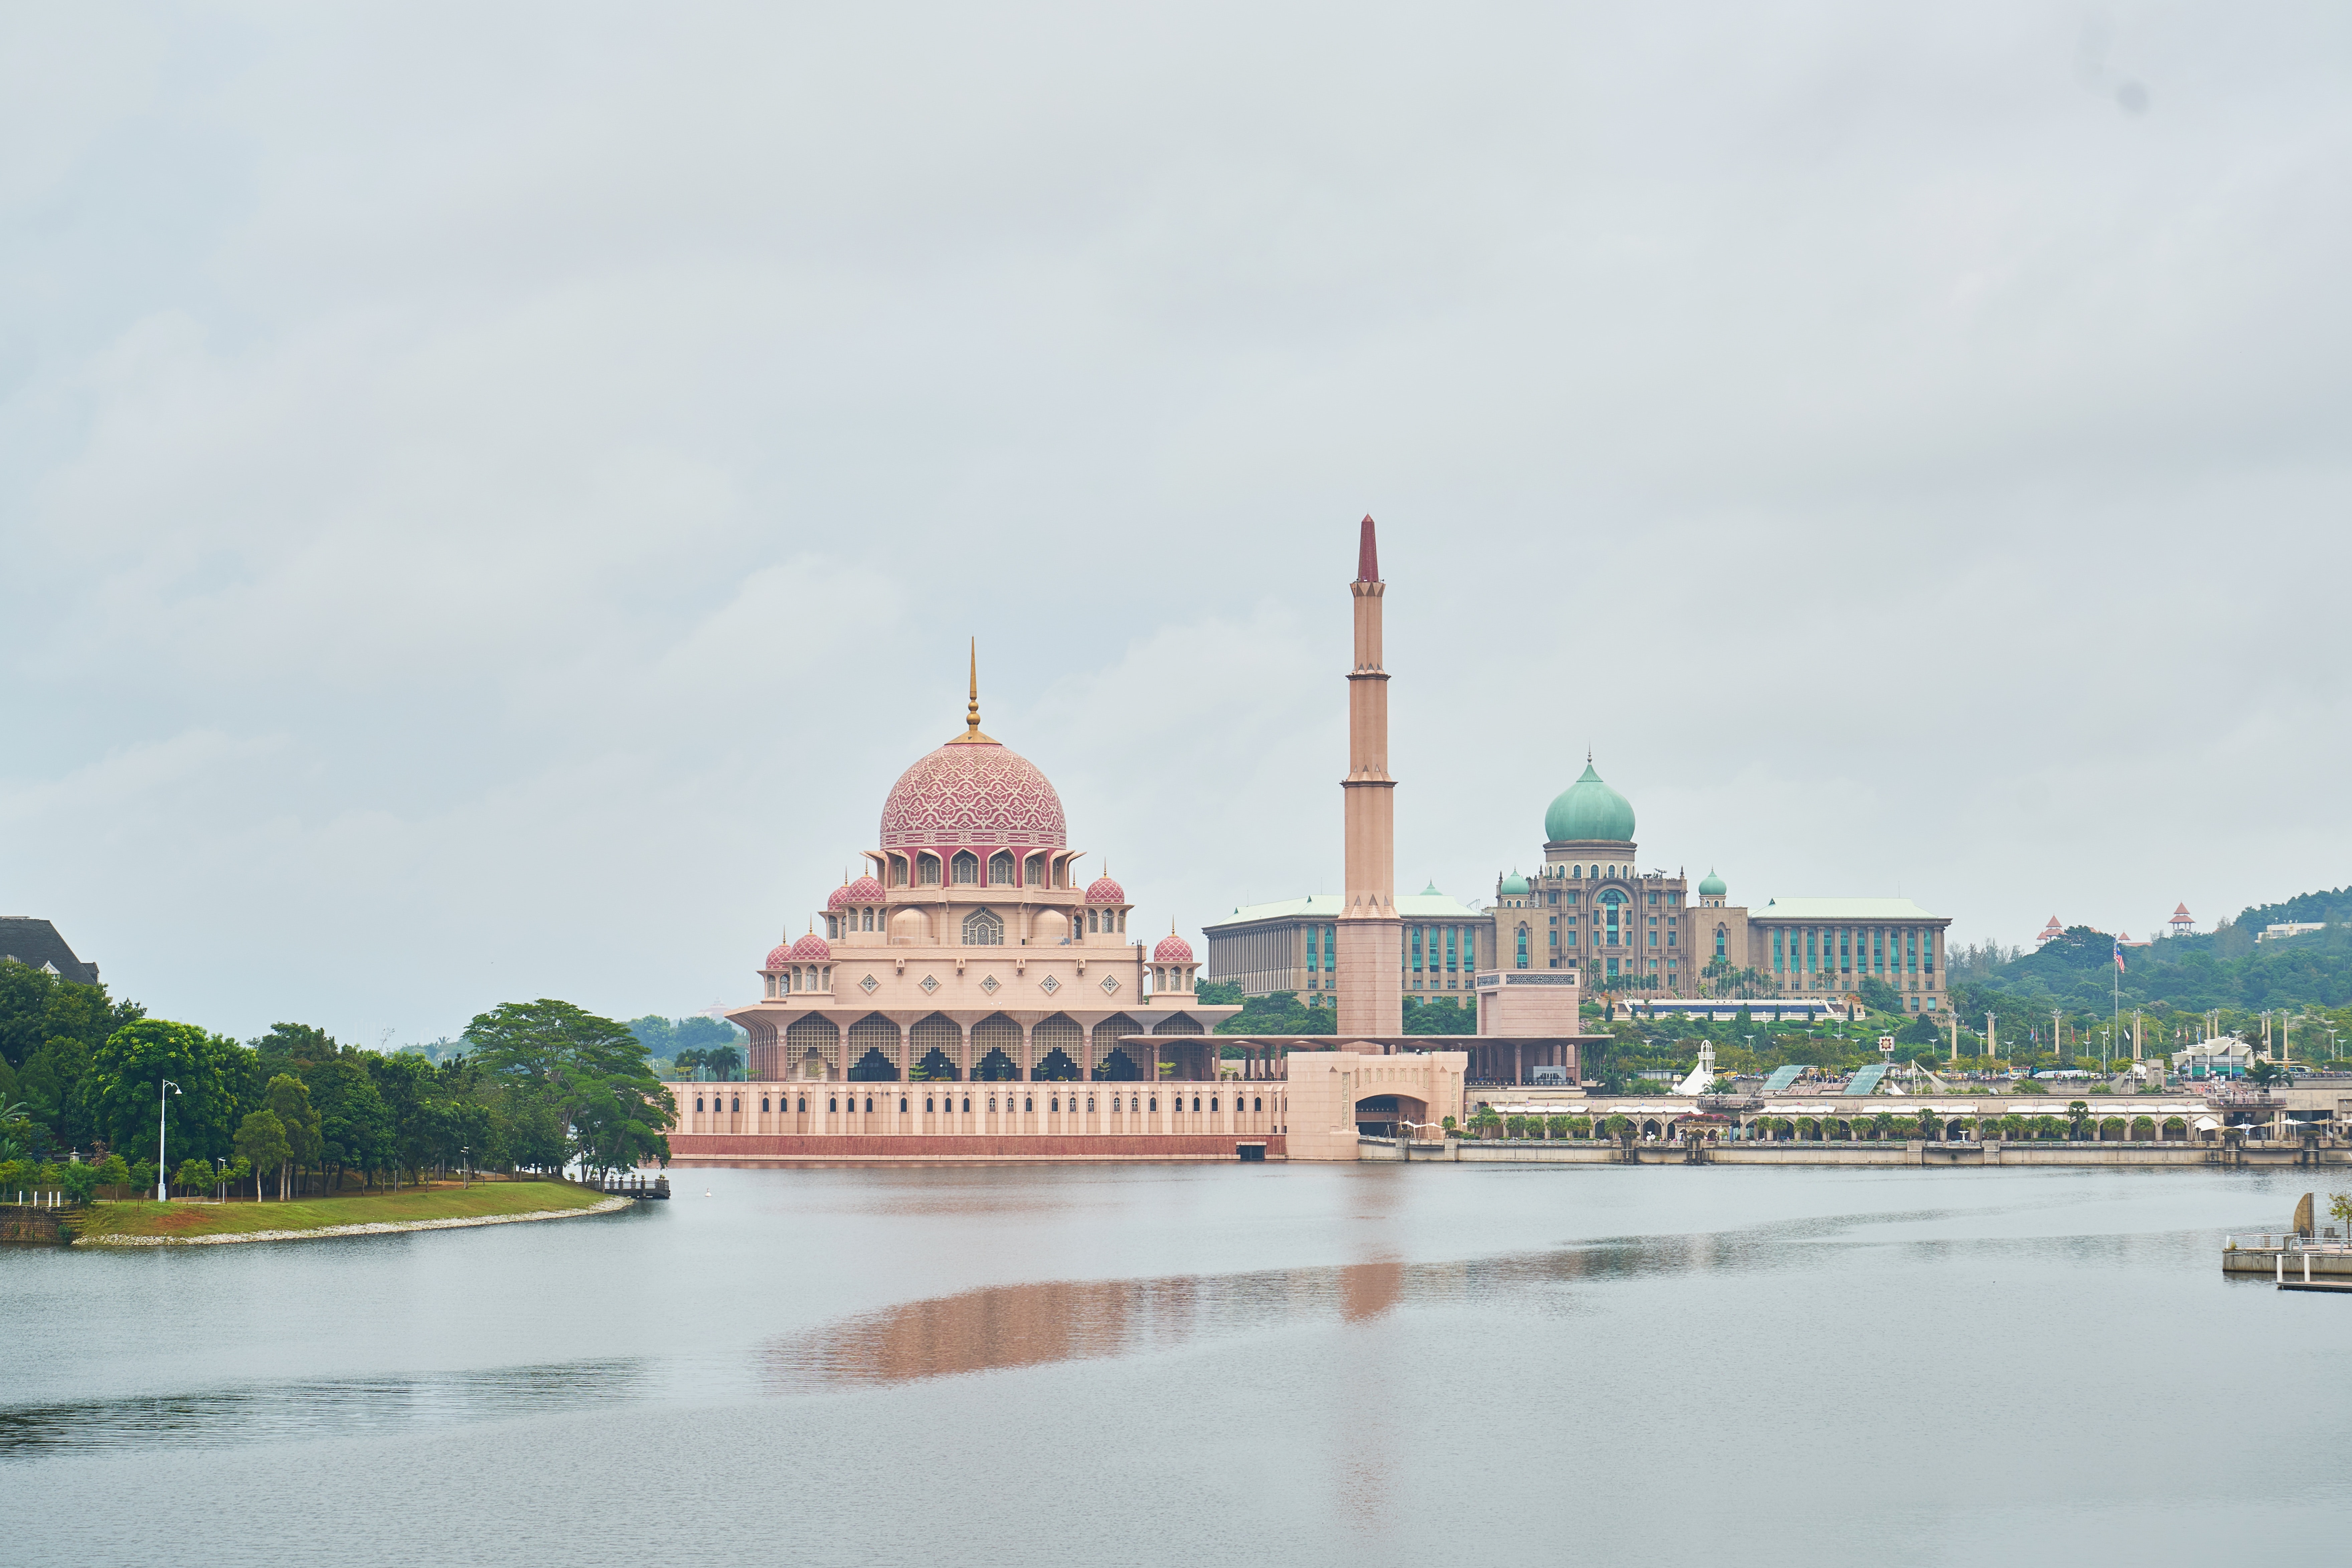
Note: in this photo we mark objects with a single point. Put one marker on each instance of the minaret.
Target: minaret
(1372, 950)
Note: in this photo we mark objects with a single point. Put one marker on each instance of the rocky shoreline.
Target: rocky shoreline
(606, 1206)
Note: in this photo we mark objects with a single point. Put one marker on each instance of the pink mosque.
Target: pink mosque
(970, 1000)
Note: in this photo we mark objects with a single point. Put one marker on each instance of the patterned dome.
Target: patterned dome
(865, 890)
(778, 957)
(979, 793)
(1172, 949)
(1103, 890)
(811, 948)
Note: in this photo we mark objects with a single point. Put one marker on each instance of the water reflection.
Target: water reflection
(332, 1407)
(1007, 1326)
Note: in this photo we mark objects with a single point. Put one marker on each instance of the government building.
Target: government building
(1591, 912)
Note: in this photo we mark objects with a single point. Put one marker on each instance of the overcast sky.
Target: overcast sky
(491, 496)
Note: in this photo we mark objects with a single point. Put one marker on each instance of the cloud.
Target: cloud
(492, 520)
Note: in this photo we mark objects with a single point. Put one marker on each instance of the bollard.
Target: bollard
(2307, 1268)
(2282, 1268)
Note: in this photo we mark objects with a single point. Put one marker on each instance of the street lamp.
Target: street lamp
(466, 1164)
(162, 1168)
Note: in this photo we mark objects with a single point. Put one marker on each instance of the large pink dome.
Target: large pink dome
(978, 794)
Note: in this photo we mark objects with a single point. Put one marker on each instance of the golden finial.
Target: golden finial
(972, 709)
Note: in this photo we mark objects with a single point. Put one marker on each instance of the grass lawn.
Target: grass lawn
(148, 1217)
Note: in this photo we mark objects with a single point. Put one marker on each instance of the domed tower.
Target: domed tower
(1172, 967)
(1711, 890)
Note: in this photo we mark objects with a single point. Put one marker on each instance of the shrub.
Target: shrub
(1555, 1127)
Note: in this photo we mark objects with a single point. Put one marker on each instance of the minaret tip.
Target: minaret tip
(971, 707)
(1367, 554)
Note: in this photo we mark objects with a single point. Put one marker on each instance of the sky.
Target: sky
(492, 497)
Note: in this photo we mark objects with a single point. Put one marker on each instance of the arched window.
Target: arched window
(1578, 873)
(804, 1105)
(983, 927)
(869, 1105)
(739, 1102)
(1034, 872)
(927, 871)
(1155, 1102)
(697, 1102)
(1054, 1104)
(1090, 1102)
(1523, 947)
(763, 1102)
(1028, 1102)
(967, 1104)
(927, 1103)
(967, 867)
(867, 924)
(831, 1105)
(1719, 943)
(1000, 869)
(1213, 1103)
(1258, 1104)
(902, 1105)
(1094, 920)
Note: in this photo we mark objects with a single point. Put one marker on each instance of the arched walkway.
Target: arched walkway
(1056, 1036)
(995, 1048)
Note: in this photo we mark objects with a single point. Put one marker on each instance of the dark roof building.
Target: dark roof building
(36, 944)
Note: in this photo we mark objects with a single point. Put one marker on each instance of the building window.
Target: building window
(1671, 933)
(1035, 871)
(1721, 951)
(983, 927)
(1555, 939)
(1653, 939)
(927, 871)
(1653, 900)
(1000, 869)
(1523, 947)
(966, 866)
(1312, 933)
(1551, 898)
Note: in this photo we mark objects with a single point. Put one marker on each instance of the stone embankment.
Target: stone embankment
(385, 1229)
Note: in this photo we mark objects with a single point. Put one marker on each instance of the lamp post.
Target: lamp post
(163, 1167)
(466, 1164)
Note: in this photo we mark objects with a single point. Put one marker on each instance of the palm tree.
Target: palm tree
(2077, 1112)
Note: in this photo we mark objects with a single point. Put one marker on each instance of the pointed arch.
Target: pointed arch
(873, 1049)
(996, 1049)
(934, 1049)
(812, 1048)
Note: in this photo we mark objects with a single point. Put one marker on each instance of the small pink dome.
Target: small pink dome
(1103, 890)
(1172, 949)
(865, 890)
(811, 949)
(778, 957)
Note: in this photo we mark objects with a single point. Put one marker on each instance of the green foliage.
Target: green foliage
(576, 1086)
(194, 1174)
(1439, 1015)
(1281, 1013)
(261, 1143)
(1220, 993)
(1878, 995)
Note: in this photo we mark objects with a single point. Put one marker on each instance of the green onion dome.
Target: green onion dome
(1514, 883)
(1711, 886)
(1590, 810)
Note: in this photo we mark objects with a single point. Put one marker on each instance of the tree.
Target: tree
(288, 1098)
(1878, 995)
(2077, 1112)
(124, 1076)
(584, 1079)
(2262, 1072)
(261, 1145)
(193, 1175)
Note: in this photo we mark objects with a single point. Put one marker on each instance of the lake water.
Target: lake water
(1164, 1364)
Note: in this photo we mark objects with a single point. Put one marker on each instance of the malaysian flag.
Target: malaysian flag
(2120, 952)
